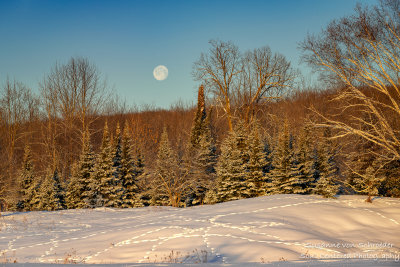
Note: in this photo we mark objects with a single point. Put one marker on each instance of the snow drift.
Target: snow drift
(279, 228)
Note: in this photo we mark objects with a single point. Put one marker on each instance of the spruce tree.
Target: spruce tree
(200, 157)
(139, 165)
(169, 184)
(50, 192)
(117, 152)
(34, 202)
(73, 195)
(231, 168)
(325, 171)
(128, 174)
(82, 189)
(268, 152)
(109, 187)
(200, 123)
(27, 181)
(305, 160)
(256, 178)
(366, 174)
(282, 177)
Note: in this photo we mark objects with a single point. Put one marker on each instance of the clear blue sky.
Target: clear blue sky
(127, 39)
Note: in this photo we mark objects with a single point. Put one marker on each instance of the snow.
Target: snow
(283, 230)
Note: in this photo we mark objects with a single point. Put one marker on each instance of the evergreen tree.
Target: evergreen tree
(34, 202)
(283, 176)
(231, 168)
(50, 192)
(128, 174)
(200, 163)
(166, 164)
(139, 165)
(390, 174)
(326, 171)
(200, 123)
(117, 153)
(305, 161)
(256, 179)
(369, 180)
(27, 181)
(200, 158)
(268, 152)
(171, 178)
(108, 186)
(82, 189)
(369, 175)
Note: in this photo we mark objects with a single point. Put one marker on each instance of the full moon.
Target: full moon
(160, 73)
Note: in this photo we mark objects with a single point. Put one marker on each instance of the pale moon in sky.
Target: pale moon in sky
(160, 73)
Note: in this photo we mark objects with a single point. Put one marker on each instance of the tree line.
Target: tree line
(246, 167)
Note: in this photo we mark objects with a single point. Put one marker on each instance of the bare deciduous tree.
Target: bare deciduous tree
(362, 52)
(17, 108)
(219, 70)
(77, 89)
(242, 82)
(73, 93)
(265, 76)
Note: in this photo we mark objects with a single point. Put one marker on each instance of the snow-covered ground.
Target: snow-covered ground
(284, 230)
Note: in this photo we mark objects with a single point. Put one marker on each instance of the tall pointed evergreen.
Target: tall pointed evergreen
(82, 189)
(117, 152)
(231, 168)
(305, 160)
(200, 123)
(282, 180)
(27, 181)
(256, 179)
(34, 202)
(108, 186)
(128, 176)
(50, 193)
(200, 156)
(139, 162)
(166, 174)
(201, 162)
(326, 170)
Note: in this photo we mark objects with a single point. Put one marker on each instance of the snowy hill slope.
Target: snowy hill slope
(266, 229)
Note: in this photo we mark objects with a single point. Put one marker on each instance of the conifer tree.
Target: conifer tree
(139, 165)
(203, 161)
(200, 158)
(268, 152)
(73, 194)
(50, 192)
(34, 202)
(282, 177)
(171, 179)
(109, 187)
(82, 189)
(231, 168)
(369, 182)
(200, 163)
(326, 171)
(27, 181)
(256, 179)
(117, 152)
(128, 176)
(200, 123)
(305, 161)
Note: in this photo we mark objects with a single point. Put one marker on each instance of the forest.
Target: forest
(257, 129)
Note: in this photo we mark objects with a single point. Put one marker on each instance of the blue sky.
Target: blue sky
(126, 40)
